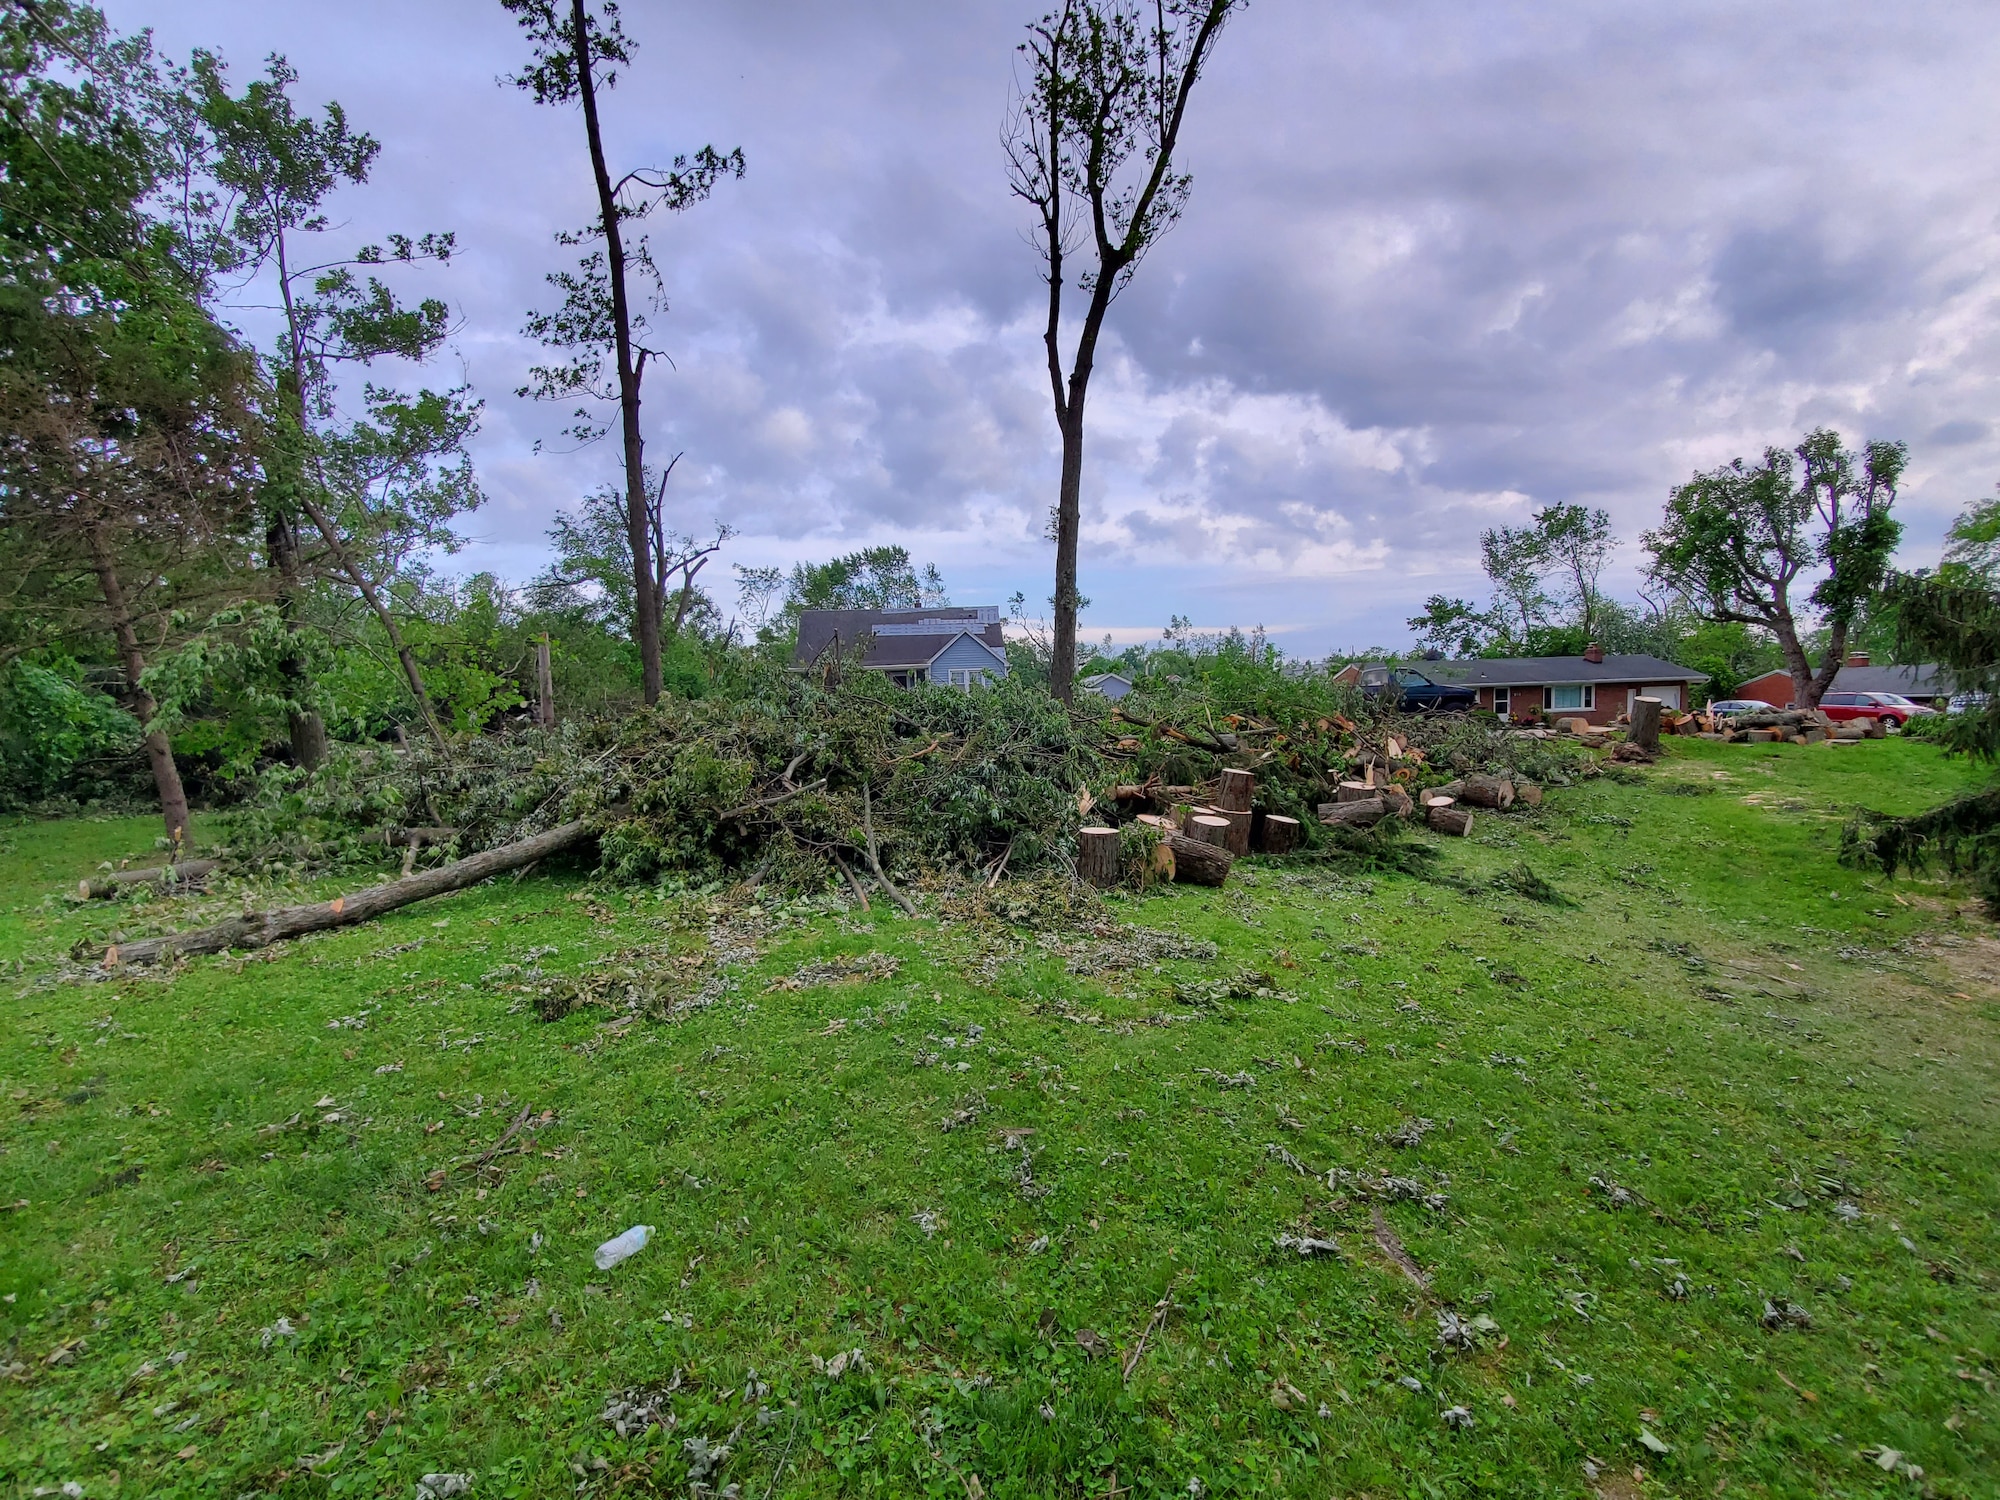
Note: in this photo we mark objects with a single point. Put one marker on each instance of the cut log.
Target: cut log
(1280, 835)
(1199, 863)
(1208, 828)
(1689, 726)
(1453, 821)
(1449, 789)
(1097, 856)
(1488, 791)
(1397, 800)
(187, 871)
(258, 929)
(1354, 791)
(1237, 839)
(1432, 795)
(1354, 814)
(1877, 730)
(1764, 736)
(1236, 791)
(1645, 730)
(1812, 736)
(1164, 824)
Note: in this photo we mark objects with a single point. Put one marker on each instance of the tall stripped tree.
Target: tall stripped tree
(576, 54)
(354, 483)
(1090, 148)
(124, 408)
(1737, 540)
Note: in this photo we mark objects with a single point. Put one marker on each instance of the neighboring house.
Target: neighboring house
(1594, 686)
(1110, 685)
(950, 645)
(1348, 675)
(1924, 684)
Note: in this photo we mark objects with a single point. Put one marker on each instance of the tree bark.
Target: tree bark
(1453, 821)
(1097, 856)
(97, 887)
(1354, 791)
(308, 729)
(1364, 814)
(259, 929)
(1280, 835)
(166, 775)
(1199, 863)
(1237, 791)
(545, 686)
(1645, 729)
(1488, 791)
(645, 600)
(1209, 828)
(1236, 837)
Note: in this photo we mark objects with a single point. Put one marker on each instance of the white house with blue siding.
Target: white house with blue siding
(949, 645)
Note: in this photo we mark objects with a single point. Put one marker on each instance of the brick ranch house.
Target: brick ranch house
(950, 645)
(1922, 684)
(1595, 686)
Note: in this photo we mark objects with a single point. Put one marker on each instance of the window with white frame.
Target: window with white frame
(964, 677)
(1502, 700)
(1574, 695)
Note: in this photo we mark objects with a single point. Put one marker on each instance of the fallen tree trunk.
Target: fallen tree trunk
(1199, 863)
(187, 870)
(1354, 814)
(1496, 792)
(259, 929)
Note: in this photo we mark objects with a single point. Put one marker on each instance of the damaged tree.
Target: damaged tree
(260, 929)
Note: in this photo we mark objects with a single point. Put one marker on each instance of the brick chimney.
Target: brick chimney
(1857, 658)
(1593, 653)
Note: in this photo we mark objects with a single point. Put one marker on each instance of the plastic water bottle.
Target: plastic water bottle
(627, 1245)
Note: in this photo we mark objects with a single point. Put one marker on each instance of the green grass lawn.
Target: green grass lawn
(260, 1242)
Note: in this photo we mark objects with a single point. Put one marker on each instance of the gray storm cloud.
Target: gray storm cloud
(1443, 263)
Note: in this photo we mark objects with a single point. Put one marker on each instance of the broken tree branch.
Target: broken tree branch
(875, 860)
(259, 929)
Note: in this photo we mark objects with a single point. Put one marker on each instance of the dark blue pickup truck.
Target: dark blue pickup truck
(1415, 692)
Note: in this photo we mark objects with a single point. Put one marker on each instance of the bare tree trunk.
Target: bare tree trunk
(166, 775)
(645, 596)
(1069, 509)
(545, 686)
(259, 929)
(308, 729)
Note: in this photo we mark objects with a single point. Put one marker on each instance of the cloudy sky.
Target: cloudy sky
(1443, 263)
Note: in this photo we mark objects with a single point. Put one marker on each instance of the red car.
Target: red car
(1892, 709)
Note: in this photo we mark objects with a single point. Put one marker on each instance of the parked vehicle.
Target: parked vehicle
(1415, 692)
(1893, 709)
(1730, 706)
(1966, 703)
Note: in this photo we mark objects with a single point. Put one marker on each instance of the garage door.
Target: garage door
(1669, 694)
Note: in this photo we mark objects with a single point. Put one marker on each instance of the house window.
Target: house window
(964, 677)
(1574, 695)
(1501, 701)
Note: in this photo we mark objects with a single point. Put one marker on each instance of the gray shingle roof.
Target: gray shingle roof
(1924, 681)
(896, 650)
(1539, 671)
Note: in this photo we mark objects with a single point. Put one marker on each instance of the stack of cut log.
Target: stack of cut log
(1446, 809)
(1797, 726)
(1199, 840)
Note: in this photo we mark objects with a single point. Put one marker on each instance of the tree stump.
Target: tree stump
(1280, 835)
(1237, 839)
(1236, 791)
(1208, 828)
(1354, 814)
(1097, 856)
(1199, 863)
(1645, 730)
(1488, 791)
(1448, 819)
(1354, 791)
